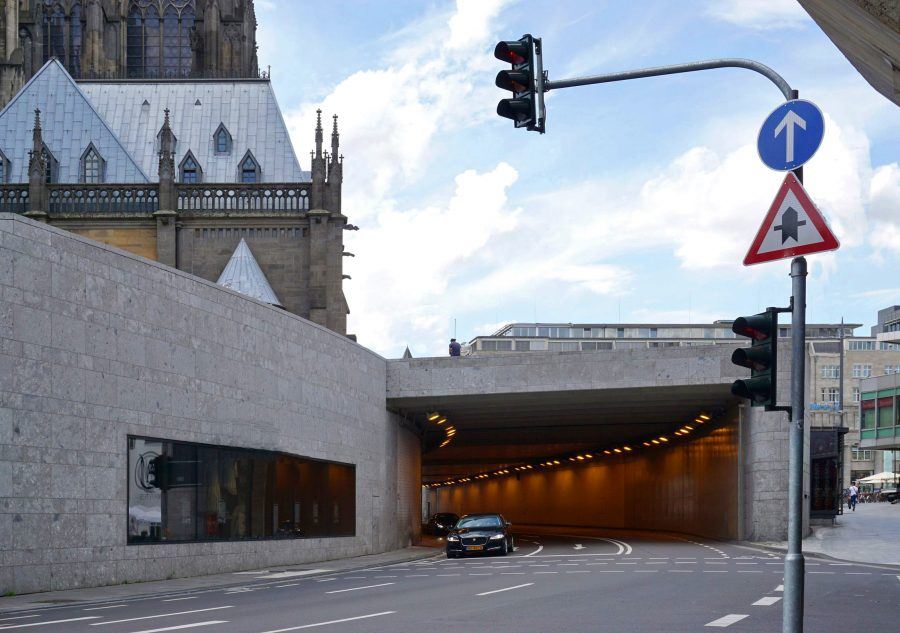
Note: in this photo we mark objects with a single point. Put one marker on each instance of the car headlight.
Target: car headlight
(496, 536)
(452, 538)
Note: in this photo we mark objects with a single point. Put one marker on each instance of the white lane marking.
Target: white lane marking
(579, 571)
(781, 587)
(512, 573)
(384, 584)
(857, 573)
(18, 617)
(768, 601)
(309, 626)
(578, 546)
(727, 620)
(290, 584)
(446, 575)
(546, 572)
(487, 593)
(291, 574)
(22, 626)
(112, 606)
(416, 575)
(179, 627)
(161, 615)
(333, 579)
(177, 599)
(537, 551)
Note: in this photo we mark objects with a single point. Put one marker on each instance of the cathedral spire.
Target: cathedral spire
(335, 141)
(166, 150)
(318, 133)
(37, 141)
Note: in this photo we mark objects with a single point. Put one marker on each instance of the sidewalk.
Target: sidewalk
(12, 604)
(869, 535)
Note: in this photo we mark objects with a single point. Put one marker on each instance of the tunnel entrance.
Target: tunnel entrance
(658, 458)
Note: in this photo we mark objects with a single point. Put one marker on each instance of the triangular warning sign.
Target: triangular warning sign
(793, 226)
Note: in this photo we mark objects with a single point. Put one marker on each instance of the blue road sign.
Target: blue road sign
(790, 135)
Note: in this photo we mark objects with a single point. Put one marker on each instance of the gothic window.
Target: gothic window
(75, 41)
(222, 140)
(92, 166)
(54, 33)
(51, 166)
(249, 168)
(190, 169)
(27, 50)
(4, 168)
(159, 45)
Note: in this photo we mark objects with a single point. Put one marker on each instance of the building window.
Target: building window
(523, 346)
(249, 168)
(159, 46)
(784, 332)
(620, 332)
(861, 346)
(190, 169)
(91, 166)
(856, 394)
(889, 347)
(830, 394)
(496, 346)
(180, 492)
(830, 371)
(222, 140)
(862, 370)
(858, 455)
(653, 332)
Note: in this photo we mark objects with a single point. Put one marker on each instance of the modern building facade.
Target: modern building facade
(127, 39)
(888, 326)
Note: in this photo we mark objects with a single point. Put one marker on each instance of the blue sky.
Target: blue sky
(637, 205)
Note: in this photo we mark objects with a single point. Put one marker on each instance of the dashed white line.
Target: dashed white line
(383, 584)
(184, 626)
(727, 620)
(177, 599)
(112, 606)
(161, 615)
(30, 624)
(781, 587)
(768, 601)
(487, 593)
(290, 584)
(309, 626)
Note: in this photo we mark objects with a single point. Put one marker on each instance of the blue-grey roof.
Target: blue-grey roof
(242, 274)
(69, 124)
(247, 108)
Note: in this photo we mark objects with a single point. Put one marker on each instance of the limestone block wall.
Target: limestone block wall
(97, 344)
(689, 487)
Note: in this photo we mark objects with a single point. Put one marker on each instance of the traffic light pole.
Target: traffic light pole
(794, 565)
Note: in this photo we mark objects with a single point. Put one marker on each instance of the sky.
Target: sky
(637, 205)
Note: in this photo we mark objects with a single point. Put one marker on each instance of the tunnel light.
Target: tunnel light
(627, 448)
(529, 467)
(442, 420)
(433, 416)
(663, 439)
(648, 443)
(704, 416)
(655, 441)
(580, 458)
(617, 450)
(689, 428)
(678, 433)
(684, 430)
(556, 461)
(589, 455)
(607, 452)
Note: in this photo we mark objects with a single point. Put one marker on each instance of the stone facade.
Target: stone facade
(97, 344)
(126, 39)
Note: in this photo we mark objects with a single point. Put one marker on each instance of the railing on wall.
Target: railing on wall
(69, 199)
(14, 199)
(255, 198)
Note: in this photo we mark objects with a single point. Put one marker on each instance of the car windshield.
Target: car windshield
(446, 518)
(479, 522)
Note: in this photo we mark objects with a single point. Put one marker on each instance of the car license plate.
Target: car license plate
(474, 547)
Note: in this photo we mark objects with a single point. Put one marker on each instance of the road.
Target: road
(551, 583)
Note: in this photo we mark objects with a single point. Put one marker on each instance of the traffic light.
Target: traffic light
(525, 80)
(761, 358)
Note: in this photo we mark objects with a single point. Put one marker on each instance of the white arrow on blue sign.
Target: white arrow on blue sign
(790, 135)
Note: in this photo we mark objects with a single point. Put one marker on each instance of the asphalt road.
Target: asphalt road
(552, 583)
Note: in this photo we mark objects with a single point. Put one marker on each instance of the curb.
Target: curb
(413, 556)
(809, 554)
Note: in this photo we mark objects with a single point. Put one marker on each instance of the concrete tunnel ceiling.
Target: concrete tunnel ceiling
(494, 431)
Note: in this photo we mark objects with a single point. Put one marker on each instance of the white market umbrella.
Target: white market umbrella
(880, 478)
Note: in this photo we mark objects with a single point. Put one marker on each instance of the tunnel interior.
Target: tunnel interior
(662, 458)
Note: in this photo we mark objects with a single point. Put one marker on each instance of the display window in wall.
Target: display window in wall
(179, 491)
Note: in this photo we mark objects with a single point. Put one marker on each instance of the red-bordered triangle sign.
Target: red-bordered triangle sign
(793, 226)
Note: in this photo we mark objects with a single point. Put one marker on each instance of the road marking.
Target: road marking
(290, 584)
(161, 615)
(361, 577)
(184, 626)
(512, 573)
(537, 551)
(646, 571)
(781, 587)
(177, 599)
(481, 574)
(384, 584)
(112, 606)
(578, 546)
(715, 571)
(309, 626)
(581, 571)
(372, 577)
(683, 571)
(546, 572)
(18, 617)
(768, 601)
(447, 575)
(487, 593)
(727, 620)
(820, 572)
(415, 576)
(22, 626)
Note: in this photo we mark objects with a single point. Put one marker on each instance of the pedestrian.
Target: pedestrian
(854, 493)
(454, 347)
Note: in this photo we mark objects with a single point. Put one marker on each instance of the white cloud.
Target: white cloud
(884, 210)
(758, 14)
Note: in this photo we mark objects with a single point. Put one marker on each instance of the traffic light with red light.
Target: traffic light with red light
(525, 80)
(761, 358)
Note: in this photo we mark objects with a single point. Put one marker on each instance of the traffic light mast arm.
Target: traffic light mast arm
(749, 64)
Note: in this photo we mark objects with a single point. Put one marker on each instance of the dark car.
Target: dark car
(479, 534)
(441, 523)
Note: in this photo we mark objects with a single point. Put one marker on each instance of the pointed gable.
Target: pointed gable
(69, 124)
(242, 274)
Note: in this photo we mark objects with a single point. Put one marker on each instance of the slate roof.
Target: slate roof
(69, 123)
(242, 274)
(247, 108)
